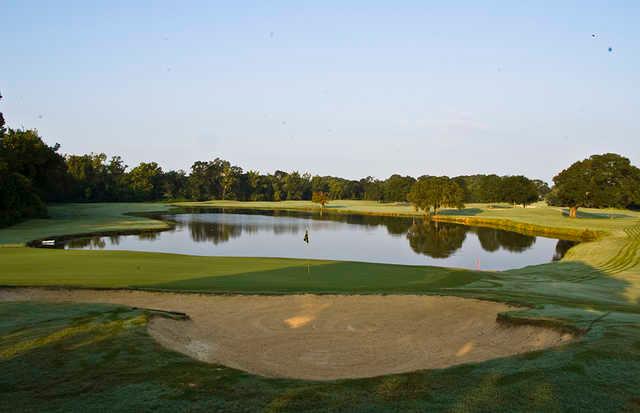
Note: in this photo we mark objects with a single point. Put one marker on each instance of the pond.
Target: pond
(336, 237)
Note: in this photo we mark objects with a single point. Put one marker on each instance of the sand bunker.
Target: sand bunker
(324, 337)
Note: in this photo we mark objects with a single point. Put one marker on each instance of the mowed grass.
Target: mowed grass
(67, 357)
(124, 269)
(70, 219)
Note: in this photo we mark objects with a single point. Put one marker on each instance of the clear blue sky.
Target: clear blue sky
(331, 87)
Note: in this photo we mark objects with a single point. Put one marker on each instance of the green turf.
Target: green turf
(90, 357)
(65, 219)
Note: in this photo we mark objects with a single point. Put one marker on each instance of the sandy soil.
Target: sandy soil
(323, 337)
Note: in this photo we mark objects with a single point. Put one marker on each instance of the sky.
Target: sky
(343, 88)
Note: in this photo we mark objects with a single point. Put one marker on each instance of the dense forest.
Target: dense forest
(33, 173)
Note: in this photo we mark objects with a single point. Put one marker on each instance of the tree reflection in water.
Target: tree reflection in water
(434, 239)
(148, 235)
(213, 231)
(493, 239)
(561, 248)
(87, 243)
(437, 240)
(441, 240)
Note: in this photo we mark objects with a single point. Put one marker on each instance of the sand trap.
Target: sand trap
(324, 337)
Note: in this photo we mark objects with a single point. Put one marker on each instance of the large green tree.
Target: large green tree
(278, 185)
(542, 188)
(430, 193)
(373, 188)
(397, 187)
(91, 180)
(296, 186)
(518, 190)
(600, 181)
(26, 153)
(174, 185)
(19, 200)
(205, 181)
(230, 181)
(146, 181)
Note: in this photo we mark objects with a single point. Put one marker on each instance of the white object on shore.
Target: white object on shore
(49, 242)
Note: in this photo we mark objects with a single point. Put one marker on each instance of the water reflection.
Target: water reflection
(493, 239)
(436, 239)
(148, 235)
(335, 236)
(88, 243)
(561, 248)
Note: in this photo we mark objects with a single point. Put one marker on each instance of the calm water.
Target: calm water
(340, 237)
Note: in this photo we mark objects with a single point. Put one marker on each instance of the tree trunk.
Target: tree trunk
(573, 212)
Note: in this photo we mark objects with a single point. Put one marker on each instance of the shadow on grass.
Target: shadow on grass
(460, 212)
(338, 277)
(595, 215)
(572, 284)
(568, 283)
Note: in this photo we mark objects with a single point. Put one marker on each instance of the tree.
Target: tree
(320, 183)
(88, 174)
(145, 181)
(26, 153)
(542, 187)
(259, 187)
(519, 190)
(174, 184)
(278, 185)
(433, 192)
(320, 198)
(396, 188)
(490, 188)
(607, 180)
(205, 180)
(372, 188)
(18, 199)
(230, 180)
(199, 184)
(336, 188)
(353, 190)
(115, 175)
(295, 185)
(2, 129)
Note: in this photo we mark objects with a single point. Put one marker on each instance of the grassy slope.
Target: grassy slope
(594, 289)
(68, 219)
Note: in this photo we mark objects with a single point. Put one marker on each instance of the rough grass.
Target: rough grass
(90, 357)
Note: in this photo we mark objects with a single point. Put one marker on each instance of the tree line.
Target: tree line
(33, 173)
